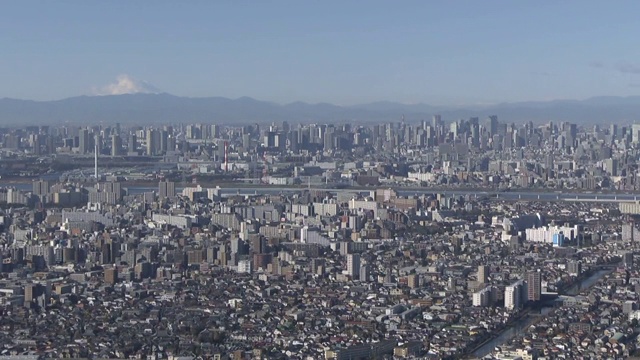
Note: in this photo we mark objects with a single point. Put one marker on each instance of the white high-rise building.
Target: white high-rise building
(635, 133)
(353, 265)
(244, 231)
(513, 295)
(482, 297)
(545, 234)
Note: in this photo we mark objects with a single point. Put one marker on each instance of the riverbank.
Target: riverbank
(515, 326)
(512, 322)
(228, 181)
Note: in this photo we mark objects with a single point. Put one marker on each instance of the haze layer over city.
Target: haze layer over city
(319, 180)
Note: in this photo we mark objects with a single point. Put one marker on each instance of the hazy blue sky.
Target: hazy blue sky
(345, 52)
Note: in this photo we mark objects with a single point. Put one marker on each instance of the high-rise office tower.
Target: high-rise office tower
(353, 265)
(171, 143)
(133, 143)
(611, 166)
(246, 141)
(41, 187)
(492, 124)
(83, 141)
(436, 121)
(151, 142)
(613, 132)
(164, 136)
(116, 145)
(166, 189)
(157, 142)
(193, 132)
(205, 131)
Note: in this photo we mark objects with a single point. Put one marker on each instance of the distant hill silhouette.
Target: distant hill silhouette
(166, 108)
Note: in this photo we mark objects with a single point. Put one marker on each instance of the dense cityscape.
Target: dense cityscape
(319, 180)
(419, 240)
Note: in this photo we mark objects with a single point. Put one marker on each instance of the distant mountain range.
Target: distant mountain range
(166, 108)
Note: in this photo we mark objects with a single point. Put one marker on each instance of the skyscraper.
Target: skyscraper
(492, 124)
(635, 133)
(353, 265)
(116, 145)
(436, 121)
(534, 286)
(611, 166)
(83, 141)
(513, 295)
(133, 143)
(364, 272)
(41, 187)
(483, 275)
(151, 142)
(164, 137)
(166, 189)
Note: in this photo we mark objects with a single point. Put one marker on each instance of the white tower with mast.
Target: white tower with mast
(95, 162)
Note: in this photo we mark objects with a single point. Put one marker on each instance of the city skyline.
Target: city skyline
(458, 53)
(319, 180)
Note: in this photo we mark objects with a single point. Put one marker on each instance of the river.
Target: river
(512, 331)
(535, 315)
(588, 282)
